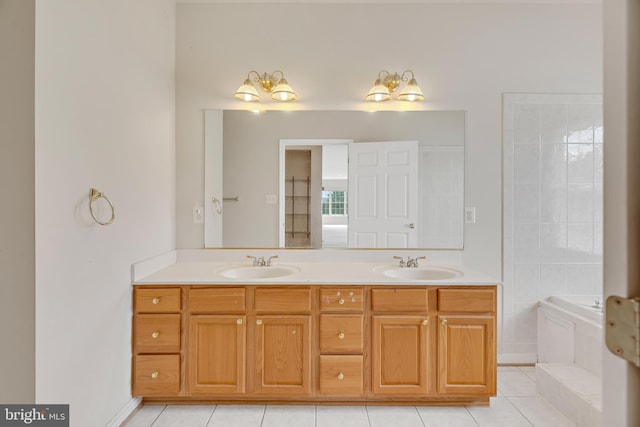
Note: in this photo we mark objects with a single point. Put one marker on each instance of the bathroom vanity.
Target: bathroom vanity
(370, 338)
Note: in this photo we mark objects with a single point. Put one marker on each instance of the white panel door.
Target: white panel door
(383, 194)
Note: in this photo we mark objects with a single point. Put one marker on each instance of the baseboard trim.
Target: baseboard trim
(517, 358)
(125, 412)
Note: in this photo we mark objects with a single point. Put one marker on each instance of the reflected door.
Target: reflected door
(383, 194)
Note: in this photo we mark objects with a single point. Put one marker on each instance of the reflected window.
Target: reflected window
(334, 203)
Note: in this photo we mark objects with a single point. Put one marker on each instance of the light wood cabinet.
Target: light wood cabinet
(466, 355)
(156, 341)
(217, 354)
(313, 344)
(467, 341)
(283, 354)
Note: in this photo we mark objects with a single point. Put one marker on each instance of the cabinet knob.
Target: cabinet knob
(259, 322)
(239, 321)
(425, 322)
(341, 301)
(443, 321)
(154, 375)
(340, 375)
(156, 300)
(341, 335)
(155, 335)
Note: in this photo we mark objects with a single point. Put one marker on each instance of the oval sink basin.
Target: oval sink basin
(251, 272)
(422, 273)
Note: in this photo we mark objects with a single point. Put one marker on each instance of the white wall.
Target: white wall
(17, 183)
(464, 55)
(104, 119)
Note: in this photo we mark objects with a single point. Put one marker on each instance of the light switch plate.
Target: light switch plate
(470, 215)
(198, 214)
(270, 199)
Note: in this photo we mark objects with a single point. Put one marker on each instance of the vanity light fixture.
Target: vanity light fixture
(273, 83)
(387, 83)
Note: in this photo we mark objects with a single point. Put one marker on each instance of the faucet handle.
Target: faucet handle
(270, 262)
(401, 260)
(255, 260)
(417, 258)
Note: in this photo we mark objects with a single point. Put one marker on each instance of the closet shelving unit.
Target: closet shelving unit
(298, 206)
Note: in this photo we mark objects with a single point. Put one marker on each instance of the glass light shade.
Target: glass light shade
(378, 92)
(247, 92)
(411, 92)
(283, 92)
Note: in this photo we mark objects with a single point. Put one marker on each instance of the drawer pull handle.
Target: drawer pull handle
(154, 375)
(156, 300)
(155, 335)
(341, 335)
(239, 321)
(259, 322)
(425, 322)
(444, 321)
(340, 375)
(341, 301)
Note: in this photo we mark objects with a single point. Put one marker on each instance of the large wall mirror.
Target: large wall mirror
(339, 179)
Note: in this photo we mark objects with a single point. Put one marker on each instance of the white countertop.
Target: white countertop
(173, 270)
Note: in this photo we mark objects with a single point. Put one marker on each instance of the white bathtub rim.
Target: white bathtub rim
(564, 305)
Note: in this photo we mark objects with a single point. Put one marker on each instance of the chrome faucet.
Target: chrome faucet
(402, 263)
(413, 262)
(261, 262)
(410, 262)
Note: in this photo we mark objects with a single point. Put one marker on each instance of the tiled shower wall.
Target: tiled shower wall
(441, 186)
(552, 194)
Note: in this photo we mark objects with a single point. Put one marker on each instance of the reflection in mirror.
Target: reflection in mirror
(242, 150)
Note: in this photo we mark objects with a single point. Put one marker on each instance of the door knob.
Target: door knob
(412, 225)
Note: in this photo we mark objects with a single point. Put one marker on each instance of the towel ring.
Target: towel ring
(95, 195)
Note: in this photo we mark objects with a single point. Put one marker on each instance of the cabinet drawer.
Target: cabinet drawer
(399, 300)
(157, 333)
(216, 300)
(341, 299)
(341, 375)
(467, 300)
(156, 300)
(341, 333)
(283, 300)
(156, 375)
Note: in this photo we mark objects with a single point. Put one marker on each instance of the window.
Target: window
(334, 203)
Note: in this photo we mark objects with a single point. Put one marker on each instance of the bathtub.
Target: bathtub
(570, 331)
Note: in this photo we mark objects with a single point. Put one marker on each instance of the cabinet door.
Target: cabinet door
(466, 355)
(400, 357)
(283, 354)
(217, 354)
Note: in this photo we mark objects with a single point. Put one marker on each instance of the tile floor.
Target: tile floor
(515, 405)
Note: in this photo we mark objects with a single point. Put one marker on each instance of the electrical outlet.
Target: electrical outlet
(270, 199)
(198, 214)
(470, 215)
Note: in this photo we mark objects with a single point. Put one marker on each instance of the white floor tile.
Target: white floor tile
(237, 416)
(185, 416)
(289, 416)
(539, 412)
(501, 413)
(394, 416)
(341, 416)
(530, 371)
(516, 383)
(145, 416)
(440, 416)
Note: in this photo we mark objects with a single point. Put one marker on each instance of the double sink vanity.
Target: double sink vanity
(211, 328)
